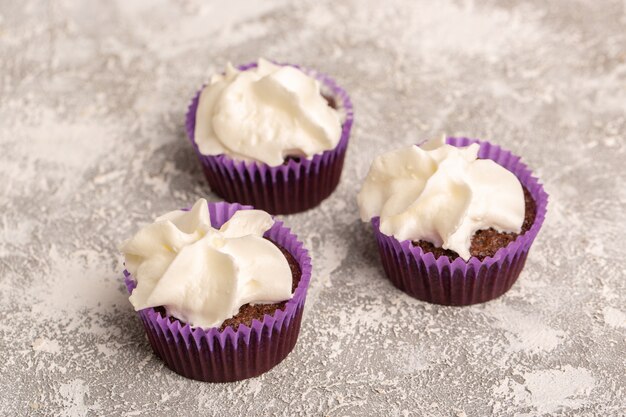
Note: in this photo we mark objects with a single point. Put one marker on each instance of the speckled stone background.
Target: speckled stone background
(92, 102)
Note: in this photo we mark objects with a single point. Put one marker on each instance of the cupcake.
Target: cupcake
(219, 288)
(272, 136)
(453, 221)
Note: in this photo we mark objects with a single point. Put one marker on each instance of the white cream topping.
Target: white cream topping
(203, 275)
(265, 114)
(441, 194)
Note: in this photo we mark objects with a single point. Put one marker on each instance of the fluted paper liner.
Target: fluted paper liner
(459, 282)
(289, 188)
(231, 355)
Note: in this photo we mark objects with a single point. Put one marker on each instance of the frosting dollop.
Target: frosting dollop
(265, 114)
(202, 275)
(441, 194)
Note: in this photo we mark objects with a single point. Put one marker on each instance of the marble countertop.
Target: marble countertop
(92, 144)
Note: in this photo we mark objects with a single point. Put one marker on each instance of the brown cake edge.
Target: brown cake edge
(486, 243)
(248, 312)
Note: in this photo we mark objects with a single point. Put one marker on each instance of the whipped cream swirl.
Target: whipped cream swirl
(441, 194)
(203, 275)
(265, 114)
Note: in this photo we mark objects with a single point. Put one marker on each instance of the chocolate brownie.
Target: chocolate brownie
(249, 312)
(330, 100)
(486, 242)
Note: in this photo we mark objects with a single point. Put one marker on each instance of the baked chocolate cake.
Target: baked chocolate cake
(487, 242)
(213, 265)
(249, 312)
(269, 138)
(471, 197)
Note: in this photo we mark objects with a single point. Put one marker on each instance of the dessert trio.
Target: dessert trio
(220, 287)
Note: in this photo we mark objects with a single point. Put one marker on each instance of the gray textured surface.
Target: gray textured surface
(92, 98)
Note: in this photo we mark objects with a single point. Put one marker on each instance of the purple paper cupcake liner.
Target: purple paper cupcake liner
(231, 355)
(293, 187)
(457, 282)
